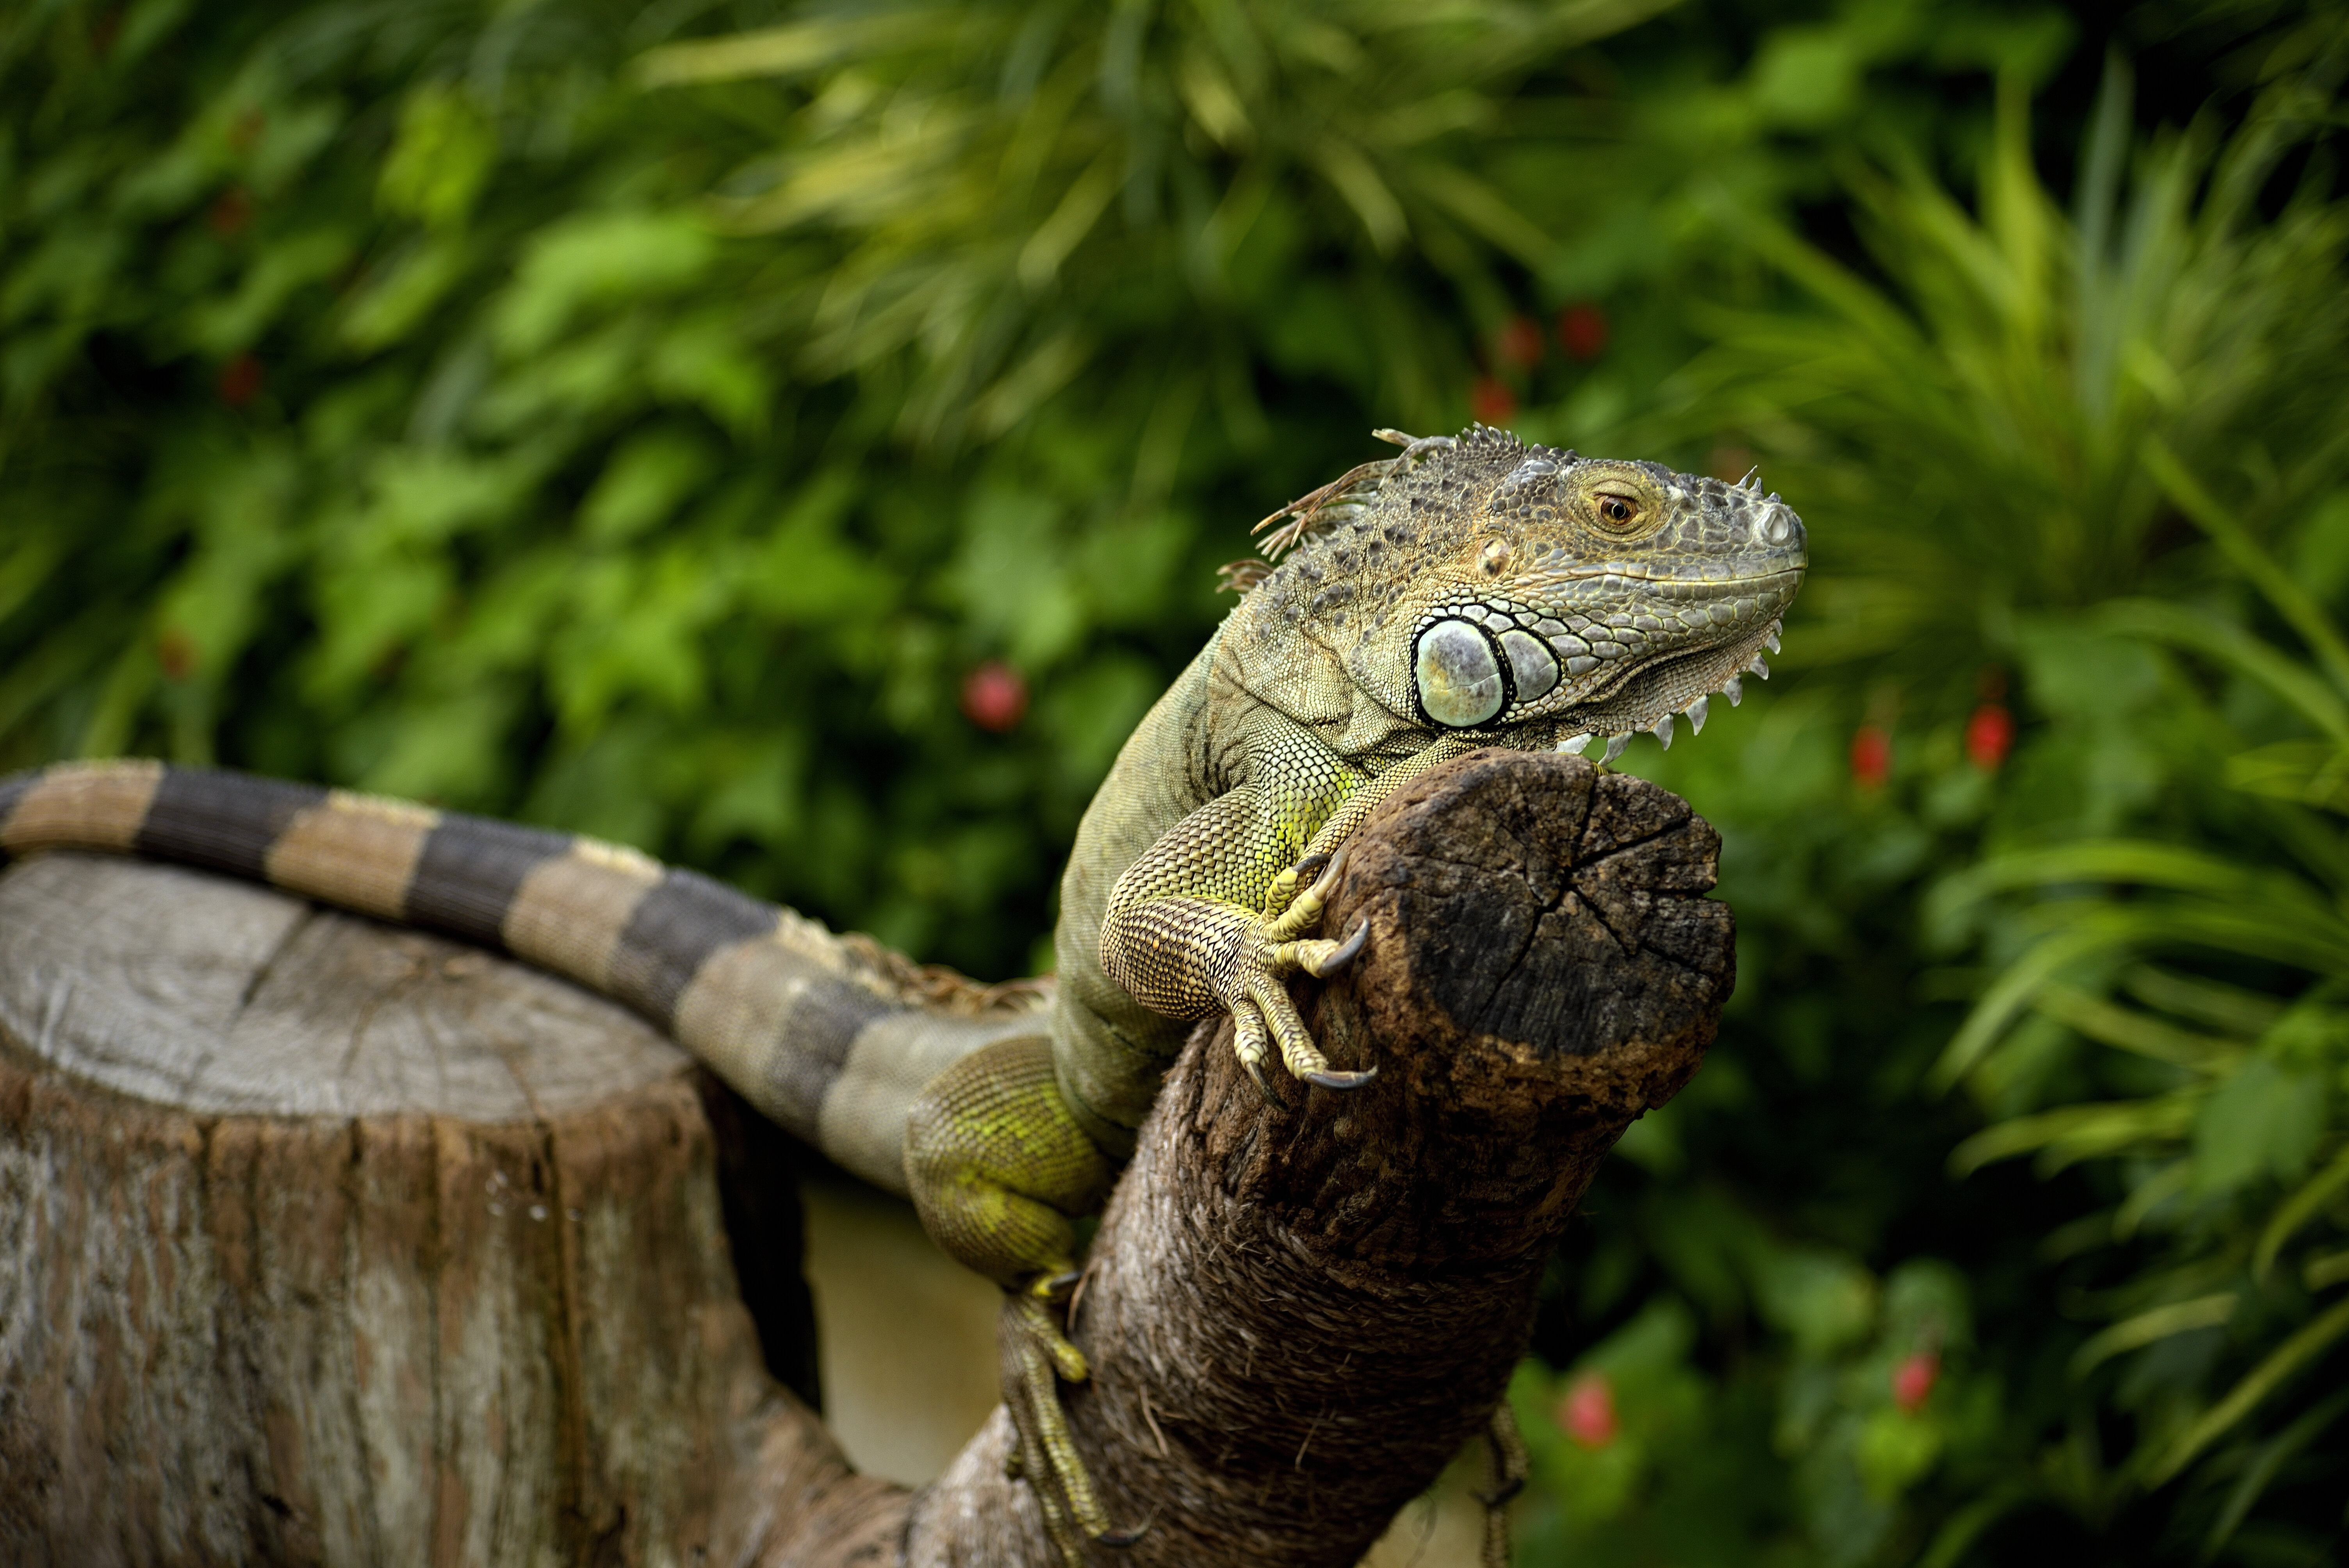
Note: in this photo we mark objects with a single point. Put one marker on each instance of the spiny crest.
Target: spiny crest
(1439, 463)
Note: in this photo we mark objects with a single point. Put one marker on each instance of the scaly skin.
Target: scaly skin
(1470, 592)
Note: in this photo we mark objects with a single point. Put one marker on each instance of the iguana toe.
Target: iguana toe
(1250, 1042)
(1304, 911)
(1321, 965)
(1037, 1356)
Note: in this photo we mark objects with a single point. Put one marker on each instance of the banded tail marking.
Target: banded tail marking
(87, 805)
(818, 1038)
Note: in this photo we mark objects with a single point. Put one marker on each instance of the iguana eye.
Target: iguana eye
(1617, 510)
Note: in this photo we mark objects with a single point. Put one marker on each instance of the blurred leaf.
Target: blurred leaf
(2297, 1209)
(2312, 772)
(439, 159)
(2262, 1121)
(2263, 1380)
(2150, 1328)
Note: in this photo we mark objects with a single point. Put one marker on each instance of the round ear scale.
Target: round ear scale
(1457, 674)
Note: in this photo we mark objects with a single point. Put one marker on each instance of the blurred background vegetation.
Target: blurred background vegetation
(798, 438)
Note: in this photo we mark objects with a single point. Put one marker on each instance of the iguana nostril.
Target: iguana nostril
(1457, 674)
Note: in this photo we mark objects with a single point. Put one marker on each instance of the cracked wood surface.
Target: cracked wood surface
(404, 1254)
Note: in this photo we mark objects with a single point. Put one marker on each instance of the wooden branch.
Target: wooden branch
(247, 1335)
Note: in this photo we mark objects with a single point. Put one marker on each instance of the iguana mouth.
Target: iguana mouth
(1682, 682)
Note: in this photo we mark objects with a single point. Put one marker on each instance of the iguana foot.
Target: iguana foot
(1037, 1356)
(1253, 993)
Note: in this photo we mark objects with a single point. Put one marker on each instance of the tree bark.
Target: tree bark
(402, 1253)
(231, 1334)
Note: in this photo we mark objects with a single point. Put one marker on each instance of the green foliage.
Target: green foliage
(647, 419)
(2020, 360)
(2230, 1164)
(2003, 532)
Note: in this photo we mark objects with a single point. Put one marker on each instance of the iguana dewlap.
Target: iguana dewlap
(1469, 592)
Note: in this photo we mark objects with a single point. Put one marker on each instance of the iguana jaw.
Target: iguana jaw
(1648, 697)
(1742, 615)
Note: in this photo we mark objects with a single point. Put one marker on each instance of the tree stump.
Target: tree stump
(321, 1241)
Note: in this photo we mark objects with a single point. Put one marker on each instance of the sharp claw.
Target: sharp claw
(1327, 883)
(1311, 863)
(1346, 952)
(1264, 1084)
(1332, 1079)
(1121, 1539)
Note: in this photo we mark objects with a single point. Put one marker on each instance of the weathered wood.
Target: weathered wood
(411, 1322)
(426, 1265)
(222, 997)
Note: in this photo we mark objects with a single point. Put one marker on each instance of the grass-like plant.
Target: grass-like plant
(2222, 966)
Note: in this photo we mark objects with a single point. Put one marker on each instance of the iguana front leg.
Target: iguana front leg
(1210, 919)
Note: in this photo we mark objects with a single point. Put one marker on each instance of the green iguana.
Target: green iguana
(1472, 591)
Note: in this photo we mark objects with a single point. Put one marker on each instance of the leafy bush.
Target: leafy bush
(2009, 656)
(798, 441)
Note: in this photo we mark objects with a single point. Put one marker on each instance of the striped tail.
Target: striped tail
(831, 1037)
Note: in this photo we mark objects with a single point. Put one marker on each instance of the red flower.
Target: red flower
(231, 212)
(1990, 734)
(994, 697)
(1871, 756)
(1914, 1378)
(1519, 341)
(1582, 331)
(176, 652)
(1491, 402)
(240, 381)
(1588, 1411)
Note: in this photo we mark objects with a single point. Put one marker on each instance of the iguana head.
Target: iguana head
(1478, 583)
